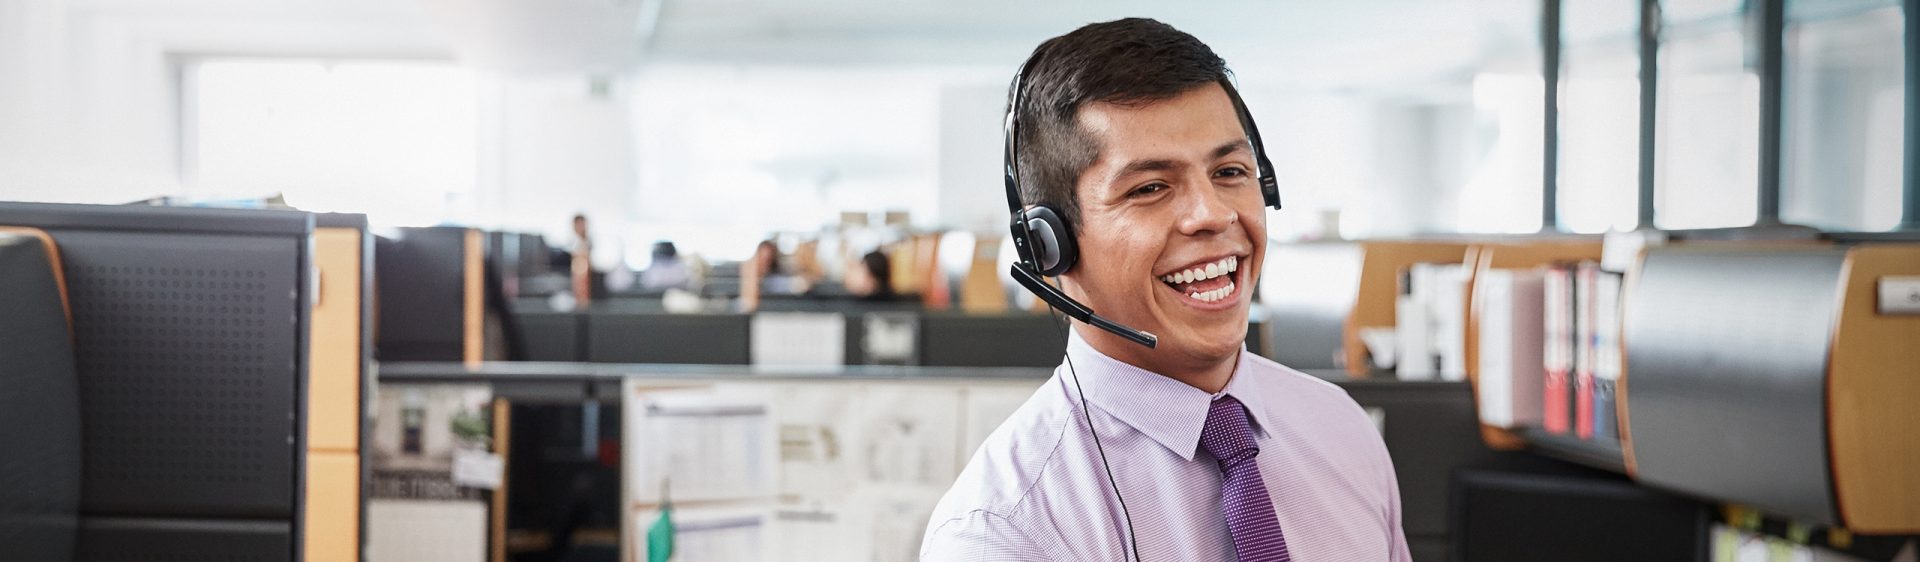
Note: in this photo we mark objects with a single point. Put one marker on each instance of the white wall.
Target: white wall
(972, 191)
(551, 147)
(91, 108)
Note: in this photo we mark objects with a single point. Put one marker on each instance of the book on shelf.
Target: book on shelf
(1607, 358)
(1509, 355)
(1430, 322)
(1557, 354)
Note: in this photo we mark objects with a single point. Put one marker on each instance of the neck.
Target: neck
(1209, 374)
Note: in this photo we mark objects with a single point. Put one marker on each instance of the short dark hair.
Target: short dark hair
(1126, 62)
(881, 268)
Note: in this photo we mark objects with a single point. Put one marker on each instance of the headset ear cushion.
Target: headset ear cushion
(1055, 250)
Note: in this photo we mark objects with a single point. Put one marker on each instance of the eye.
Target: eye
(1148, 189)
(1231, 172)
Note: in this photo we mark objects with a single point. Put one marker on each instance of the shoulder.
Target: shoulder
(1324, 407)
(991, 491)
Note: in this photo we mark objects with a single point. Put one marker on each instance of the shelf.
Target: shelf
(1604, 454)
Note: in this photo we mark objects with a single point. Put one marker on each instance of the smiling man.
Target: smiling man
(1193, 449)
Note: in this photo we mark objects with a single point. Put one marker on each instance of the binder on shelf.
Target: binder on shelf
(1410, 324)
(1607, 364)
(1430, 322)
(1509, 347)
(1557, 353)
(1586, 275)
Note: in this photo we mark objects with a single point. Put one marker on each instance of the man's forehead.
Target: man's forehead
(1197, 121)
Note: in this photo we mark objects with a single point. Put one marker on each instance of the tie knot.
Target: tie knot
(1228, 436)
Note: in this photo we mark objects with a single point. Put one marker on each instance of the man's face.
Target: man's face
(1172, 195)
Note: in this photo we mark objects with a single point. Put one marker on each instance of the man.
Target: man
(1215, 453)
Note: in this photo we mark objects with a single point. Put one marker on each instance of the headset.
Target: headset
(1045, 245)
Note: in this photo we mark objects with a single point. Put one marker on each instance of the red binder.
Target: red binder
(1583, 350)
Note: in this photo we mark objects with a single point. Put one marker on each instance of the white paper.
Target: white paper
(710, 534)
(699, 443)
(908, 435)
(799, 339)
(478, 469)
(426, 531)
(816, 440)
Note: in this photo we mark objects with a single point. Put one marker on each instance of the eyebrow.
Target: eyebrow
(1161, 164)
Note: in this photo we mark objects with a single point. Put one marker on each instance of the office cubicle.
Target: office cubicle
(196, 383)
(39, 402)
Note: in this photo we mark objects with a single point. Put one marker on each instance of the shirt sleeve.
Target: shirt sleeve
(1398, 548)
(979, 536)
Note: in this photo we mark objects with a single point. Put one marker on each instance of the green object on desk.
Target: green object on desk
(660, 537)
(660, 534)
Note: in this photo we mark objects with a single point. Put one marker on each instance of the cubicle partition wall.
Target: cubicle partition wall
(39, 402)
(190, 338)
(340, 382)
(430, 295)
(619, 337)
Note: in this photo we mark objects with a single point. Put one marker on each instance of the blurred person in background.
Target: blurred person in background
(581, 267)
(871, 277)
(764, 274)
(668, 271)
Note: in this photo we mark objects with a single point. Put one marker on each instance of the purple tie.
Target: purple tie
(1243, 495)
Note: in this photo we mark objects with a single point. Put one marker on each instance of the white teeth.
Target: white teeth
(1213, 295)
(1225, 266)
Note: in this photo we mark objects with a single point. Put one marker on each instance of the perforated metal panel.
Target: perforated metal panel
(172, 540)
(39, 409)
(187, 349)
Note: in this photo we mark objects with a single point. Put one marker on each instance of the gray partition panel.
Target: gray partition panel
(1431, 430)
(183, 540)
(420, 287)
(718, 339)
(188, 354)
(1011, 340)
(1726, 370)
(39, 408)
(552, 336)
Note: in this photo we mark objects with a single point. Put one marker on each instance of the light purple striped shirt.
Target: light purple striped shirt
(1036, 489)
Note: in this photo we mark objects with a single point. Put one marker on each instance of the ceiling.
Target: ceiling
(1303, 43)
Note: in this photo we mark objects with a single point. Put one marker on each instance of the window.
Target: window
(1707, 130)
(1841, 115)
(394, 140)
(1599, 160)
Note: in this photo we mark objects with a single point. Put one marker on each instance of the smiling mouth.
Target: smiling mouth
(1207, 283)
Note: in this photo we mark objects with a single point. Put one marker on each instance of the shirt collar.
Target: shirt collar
(1166, 410)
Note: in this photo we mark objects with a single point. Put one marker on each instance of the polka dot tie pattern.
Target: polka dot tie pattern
(1251, 521)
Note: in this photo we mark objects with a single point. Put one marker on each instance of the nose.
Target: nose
(1206, 209)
